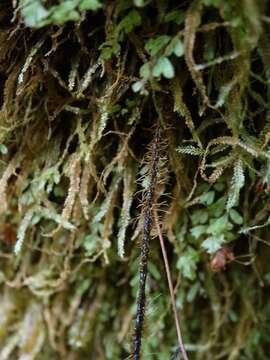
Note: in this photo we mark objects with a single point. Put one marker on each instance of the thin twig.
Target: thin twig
(168, 273)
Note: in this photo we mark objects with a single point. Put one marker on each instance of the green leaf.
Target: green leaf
(33, 12)
(208, 198)
(236, 217)
(175, 16)
(198, 230)
(153, 46)
(129, 22)
(213, 243)
(3, 149)
(219, 225)
(36, 15)
(140, 3)
(193, 291)
(176, 47)
(230, 236)
(217, 208)
(90, 243)
(145, 70)
(83, 287)
(90, 5)
(163, 67)
(202, 187)
(233, 316)
(137, 86)
(219, 186)
(64, 12)
(187, 263)
(199, 217)
(108, 49)
(56, 177)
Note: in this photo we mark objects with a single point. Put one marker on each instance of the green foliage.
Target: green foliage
(236, 217)
(112, 45)
(163, 67)
(187, 263)
(189, 150)
(212, 226)
(159, 65)
(37, 15)
(128, 23)
(3, 149)
(90, 5)
(34, 13)
(176, 16)
(80, 100)
(140, 3)
(154, 46)
(238, 181)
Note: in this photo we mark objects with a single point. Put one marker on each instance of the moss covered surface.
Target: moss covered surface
(83, 86)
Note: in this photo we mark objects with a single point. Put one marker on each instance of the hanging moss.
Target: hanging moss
(84, 84)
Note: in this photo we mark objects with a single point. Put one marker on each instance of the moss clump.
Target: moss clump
(84, 83)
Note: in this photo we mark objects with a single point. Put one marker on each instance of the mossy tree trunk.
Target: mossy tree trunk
(85, 84)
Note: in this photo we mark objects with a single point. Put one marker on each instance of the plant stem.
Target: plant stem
(148, 214)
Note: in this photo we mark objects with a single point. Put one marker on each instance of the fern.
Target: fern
(74, 173)
(201, 70)
(9, 171)
(28, 62)
(83, 194)
(106, 203)
(86, 79)
(124, 220)
(36, 15)
(190, 150)
(22, 230)
(237, 182)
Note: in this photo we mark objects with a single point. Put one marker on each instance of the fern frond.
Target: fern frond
(128, 192)
(28, 62)
(83, 194)
(52, 215)
(181, 108)
(9, 171)
(190, 150)
(74, 173)
(192, 22)
(87, 78)
(237, 182)
(109, 196)
(22, 230)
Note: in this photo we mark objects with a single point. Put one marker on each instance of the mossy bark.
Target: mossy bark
(83, 87)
